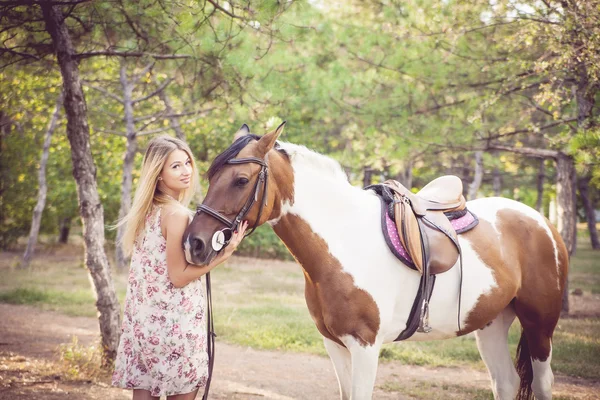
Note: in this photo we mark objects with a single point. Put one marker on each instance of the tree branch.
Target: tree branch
(224, 11)
(111, 132)
(18, 53)
(154, 93)
(135, 78)
(105, 92)
(37, 2)
(150, 132)
(81, 56)
(531, 130)
(526, 151)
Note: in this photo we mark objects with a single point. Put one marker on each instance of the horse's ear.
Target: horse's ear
(243, 131)
(267, 142)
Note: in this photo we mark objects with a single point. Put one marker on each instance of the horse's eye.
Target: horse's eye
(241, 182)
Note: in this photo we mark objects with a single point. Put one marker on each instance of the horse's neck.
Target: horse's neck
(326, 216)
(325, 199)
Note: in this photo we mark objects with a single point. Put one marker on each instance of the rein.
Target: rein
(221, 238)
(219, 241)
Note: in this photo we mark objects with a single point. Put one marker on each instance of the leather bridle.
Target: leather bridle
(222, 237)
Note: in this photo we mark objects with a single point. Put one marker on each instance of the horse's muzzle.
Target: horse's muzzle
(196, 251)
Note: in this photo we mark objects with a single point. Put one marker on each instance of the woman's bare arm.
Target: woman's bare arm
(180, 271)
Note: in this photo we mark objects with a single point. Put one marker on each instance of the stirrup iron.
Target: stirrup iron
(424, 320)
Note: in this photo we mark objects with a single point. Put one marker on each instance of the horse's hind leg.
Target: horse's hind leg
(492, 342)
(535, 348)
(342, 363)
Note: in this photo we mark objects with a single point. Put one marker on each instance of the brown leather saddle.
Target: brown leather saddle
(426, 233)
(422, 224)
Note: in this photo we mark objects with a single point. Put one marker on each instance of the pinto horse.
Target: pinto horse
(359, 294)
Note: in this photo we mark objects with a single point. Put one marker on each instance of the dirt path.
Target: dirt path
(29, 338)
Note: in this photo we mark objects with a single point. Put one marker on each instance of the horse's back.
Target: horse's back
(525, 236)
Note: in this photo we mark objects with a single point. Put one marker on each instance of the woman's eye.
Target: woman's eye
(241, 182)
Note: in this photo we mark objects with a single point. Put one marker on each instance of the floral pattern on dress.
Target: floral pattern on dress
(163, 346)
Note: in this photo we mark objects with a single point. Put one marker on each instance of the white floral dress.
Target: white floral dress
(163, 339)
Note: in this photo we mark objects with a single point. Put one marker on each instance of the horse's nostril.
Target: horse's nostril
(197, 246)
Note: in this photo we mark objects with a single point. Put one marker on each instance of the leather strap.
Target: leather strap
(214, 213)
(261, 181)
(210, 330)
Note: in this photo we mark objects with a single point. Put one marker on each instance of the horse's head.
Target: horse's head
(248, 181)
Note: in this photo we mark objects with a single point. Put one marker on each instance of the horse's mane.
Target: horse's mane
(294, 152)
(232, 151)
(314, 160)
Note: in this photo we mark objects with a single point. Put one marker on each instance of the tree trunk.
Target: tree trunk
(466, 174)
(497, 182)
(478, 176)
(84, 171)
(174, 120)
(64, 229)
(128, 159)
(539, 205)
(43, 188)
(583, 184)
(405, 177)
(368, 176)
(566, 209)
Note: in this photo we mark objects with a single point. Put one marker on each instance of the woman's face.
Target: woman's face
(177, 172)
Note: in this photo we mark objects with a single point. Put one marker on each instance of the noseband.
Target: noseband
(222, 237)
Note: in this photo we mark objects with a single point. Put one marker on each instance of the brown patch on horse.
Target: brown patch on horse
(539, 301)
(485, 241)
(522, 258)
(337, 306)
(281, 187)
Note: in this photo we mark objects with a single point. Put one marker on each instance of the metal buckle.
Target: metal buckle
(221, 239)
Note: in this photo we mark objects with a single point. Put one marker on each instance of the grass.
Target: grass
(61, 284)
(576, 348)
(78, 362)
(265, 308)
(585, 268)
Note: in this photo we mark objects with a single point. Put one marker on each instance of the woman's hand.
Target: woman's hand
(181, 277)
(235, 241)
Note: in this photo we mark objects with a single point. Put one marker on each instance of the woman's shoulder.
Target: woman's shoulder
(175, 214)
(175, 210)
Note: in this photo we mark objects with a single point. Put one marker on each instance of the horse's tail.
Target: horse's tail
(524, 369)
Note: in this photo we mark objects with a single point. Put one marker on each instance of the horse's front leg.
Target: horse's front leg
(364, 368)
(342, 363)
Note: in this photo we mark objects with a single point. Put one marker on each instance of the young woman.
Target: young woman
(163, 347)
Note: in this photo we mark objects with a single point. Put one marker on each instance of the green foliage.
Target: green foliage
(585, 145)
(386, 85)
(29, 99)
(263, 243)
(80, 362)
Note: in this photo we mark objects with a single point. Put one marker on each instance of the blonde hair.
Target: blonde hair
(148, 193)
